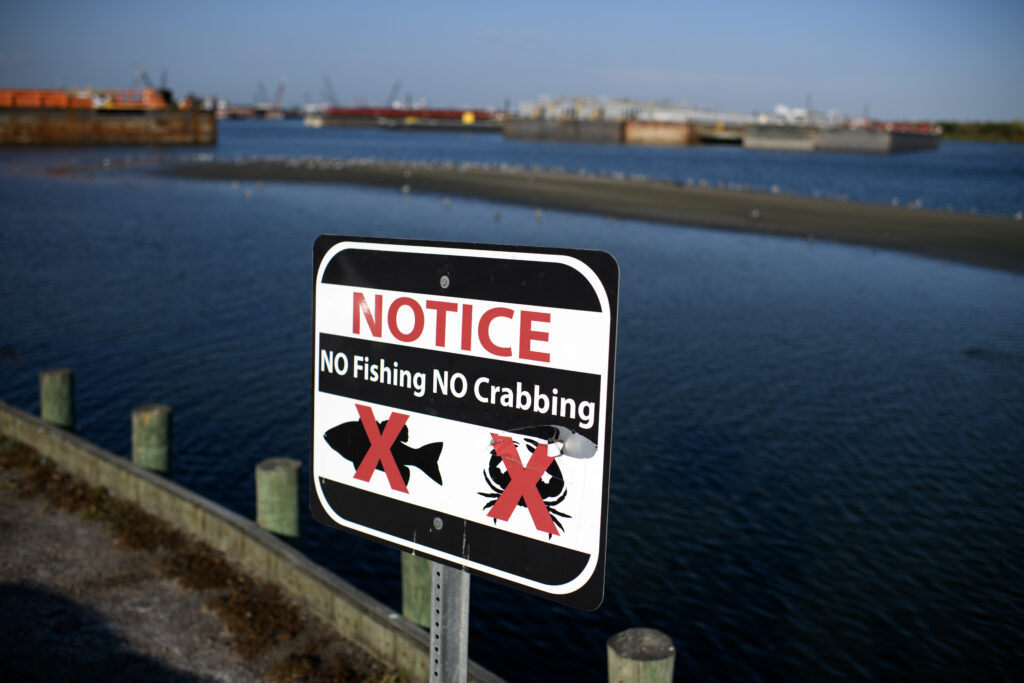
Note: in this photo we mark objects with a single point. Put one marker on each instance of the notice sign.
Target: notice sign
(462, 405)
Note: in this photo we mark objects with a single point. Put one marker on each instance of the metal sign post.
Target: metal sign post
(449, 624)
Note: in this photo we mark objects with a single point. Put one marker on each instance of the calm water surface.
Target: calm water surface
(817, 461)
(986, 178)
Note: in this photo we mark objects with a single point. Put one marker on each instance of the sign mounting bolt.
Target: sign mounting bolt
(445, 281)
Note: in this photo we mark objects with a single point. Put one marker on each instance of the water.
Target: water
(817, 448)
(986, 178)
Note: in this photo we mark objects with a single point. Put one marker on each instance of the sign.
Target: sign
(462, 405)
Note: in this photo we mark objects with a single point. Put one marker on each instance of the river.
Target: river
(816, 465)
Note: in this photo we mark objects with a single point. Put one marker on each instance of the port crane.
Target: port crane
(390, 101)
(264, 107)
(279, 93)
(329, 91)
(163, 90)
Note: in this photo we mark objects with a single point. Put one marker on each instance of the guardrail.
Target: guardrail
(354, 614)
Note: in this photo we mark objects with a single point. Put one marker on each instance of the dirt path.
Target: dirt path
(92, 589)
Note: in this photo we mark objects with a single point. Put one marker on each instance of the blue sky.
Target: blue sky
(924, 60)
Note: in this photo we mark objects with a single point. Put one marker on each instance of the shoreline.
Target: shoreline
(988, 241)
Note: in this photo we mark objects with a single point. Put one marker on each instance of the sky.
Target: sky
(933, 60)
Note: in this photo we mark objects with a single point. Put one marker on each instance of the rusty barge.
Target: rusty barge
(142, 116)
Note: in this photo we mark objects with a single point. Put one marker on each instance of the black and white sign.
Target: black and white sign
(462, 405)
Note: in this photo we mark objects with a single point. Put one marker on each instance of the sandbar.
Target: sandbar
(982, 240)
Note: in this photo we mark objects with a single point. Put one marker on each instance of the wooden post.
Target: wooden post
(277, 496)
(57, 397)
(644, 655)
(416, 589)
(151, 437)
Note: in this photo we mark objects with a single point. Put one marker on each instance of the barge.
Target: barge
(395, 118)
(868, 138)
(142, 116)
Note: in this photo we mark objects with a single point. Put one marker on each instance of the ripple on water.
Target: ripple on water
(816, 464)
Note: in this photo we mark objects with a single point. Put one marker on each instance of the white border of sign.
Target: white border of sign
(593, 544)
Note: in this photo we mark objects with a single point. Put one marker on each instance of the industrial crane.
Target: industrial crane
(329, 91)
(162, 89)
(390, 101)
(279, 94)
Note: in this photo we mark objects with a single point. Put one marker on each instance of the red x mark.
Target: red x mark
(380, 447)
(522, 484)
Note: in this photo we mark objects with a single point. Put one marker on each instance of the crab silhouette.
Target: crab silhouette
(551, 486)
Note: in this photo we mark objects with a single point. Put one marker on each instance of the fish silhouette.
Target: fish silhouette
(351, 441)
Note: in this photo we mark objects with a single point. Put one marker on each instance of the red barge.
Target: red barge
(481, 120)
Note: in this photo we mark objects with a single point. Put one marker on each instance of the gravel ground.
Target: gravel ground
(92, 589)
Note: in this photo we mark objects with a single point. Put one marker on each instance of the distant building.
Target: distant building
(623, 109)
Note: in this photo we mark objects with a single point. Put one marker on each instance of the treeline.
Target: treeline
(1011, 131)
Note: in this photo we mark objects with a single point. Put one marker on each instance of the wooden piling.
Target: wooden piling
(644, 655)
(57, 397)
(151, 437)
(416, 589)
(277, 496)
